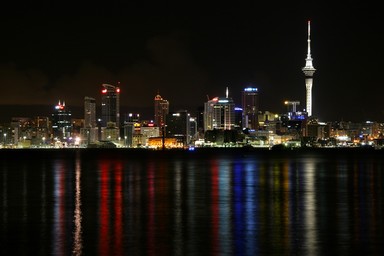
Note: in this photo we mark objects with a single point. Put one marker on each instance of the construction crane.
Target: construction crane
(293, 104)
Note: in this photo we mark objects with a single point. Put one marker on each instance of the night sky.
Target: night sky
(188, 53)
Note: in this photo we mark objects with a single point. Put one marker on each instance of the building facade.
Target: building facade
(110, 105)
(250, 105)
(89, 112)
(178, 125)
(161, 111)
(219, 113)
(89, 133)
(61, 122)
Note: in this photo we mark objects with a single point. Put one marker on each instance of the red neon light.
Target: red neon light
(104, 91)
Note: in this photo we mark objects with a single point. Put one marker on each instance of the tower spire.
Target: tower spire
(309, 70)
(308, 62)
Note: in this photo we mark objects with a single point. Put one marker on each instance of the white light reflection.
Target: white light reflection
(178, 237)
(225, 211)
(310, 235)
(58, 229)
(77, 216)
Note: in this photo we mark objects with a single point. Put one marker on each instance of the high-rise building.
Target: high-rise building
(309, 70)
(131, 128)
(110, 105)
(219, 113)
(61, 122)
(178, 125)
(161, 111)
(250, 105)
(89, 133)
(89, 112)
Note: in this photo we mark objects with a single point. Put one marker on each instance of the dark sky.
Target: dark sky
(50, 52)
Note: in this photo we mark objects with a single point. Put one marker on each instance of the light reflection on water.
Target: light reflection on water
(77, 215)
(183, 205)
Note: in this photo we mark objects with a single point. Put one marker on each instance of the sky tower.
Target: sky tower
(309, 70)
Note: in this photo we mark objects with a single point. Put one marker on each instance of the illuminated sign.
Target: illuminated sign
(250, 89)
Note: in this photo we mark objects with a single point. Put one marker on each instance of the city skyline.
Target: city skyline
(47, 56)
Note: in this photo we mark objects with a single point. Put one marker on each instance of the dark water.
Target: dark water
(120, 202)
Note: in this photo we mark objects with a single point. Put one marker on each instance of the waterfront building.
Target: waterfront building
(41, 130)
(131, 128)
(250, 106)
(238, 118)
(161, 111)
(193, 130)
(61, 123)
(178, 125)
(309, 70)
(89, 112)
(110, 105)
(89, 132)
(219, 113)
(316, 130)
(149, 131)
(110, 133)
(128, 131)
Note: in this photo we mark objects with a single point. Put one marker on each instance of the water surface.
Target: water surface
(124, 202)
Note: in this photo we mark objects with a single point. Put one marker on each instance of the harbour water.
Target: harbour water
(217, 202)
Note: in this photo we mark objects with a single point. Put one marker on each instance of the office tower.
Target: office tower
(131, 128)
(178, 125)
(89, 112)
(161, 111)
(219, 113)
(250, 105)
(61, 122)
(309, 70)
(89, 133)
(110, 105)
(238, 118)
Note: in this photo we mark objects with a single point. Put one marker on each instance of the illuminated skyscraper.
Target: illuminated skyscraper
(89, 133)
(309, 70)
(89, 112)
(161, 110)
(178, 125)
(110, 105)
(250, 105)
(219, 113)
(61, 122)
